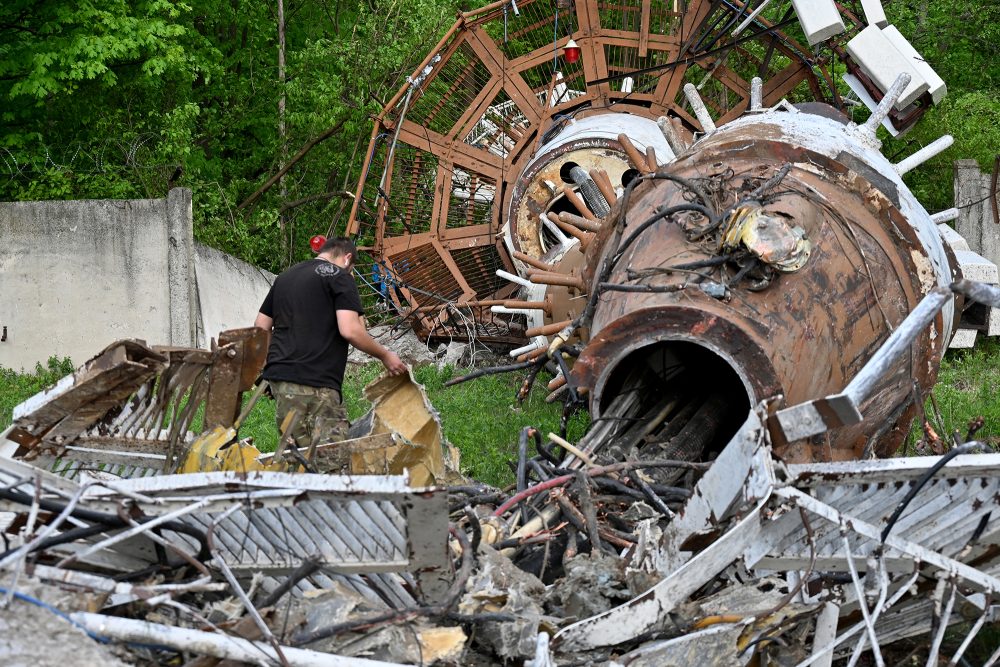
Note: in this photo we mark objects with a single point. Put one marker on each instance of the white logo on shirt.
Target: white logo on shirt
(327, 269)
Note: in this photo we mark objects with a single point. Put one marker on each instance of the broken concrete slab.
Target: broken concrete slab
(499, 587)
(35, 630)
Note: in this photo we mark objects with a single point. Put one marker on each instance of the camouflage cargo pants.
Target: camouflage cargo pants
(322, 417)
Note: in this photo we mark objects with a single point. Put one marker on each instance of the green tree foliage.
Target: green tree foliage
(959, 40)
(127, 98)
(122, 99)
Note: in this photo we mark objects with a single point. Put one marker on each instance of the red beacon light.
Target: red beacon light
(571, 52)
(317, 242)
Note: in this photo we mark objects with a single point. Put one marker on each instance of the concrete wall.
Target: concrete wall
(975, 220)
(78, 275)
(230, 292)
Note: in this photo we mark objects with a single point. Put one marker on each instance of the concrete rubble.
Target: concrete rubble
(117, 556)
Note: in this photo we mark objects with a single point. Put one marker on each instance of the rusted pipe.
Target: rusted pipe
(577, 202)
(577, 221)
(583, 237)
(637, 159)
(547, 330)
(533, 262)
(603, 182)
(563, 280)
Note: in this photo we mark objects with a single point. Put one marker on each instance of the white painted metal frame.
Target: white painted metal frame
(758, 497)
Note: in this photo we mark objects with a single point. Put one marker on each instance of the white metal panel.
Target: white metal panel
(820, 19)
(936, 85)
(643, 132)
(874, 14)
(882, 61)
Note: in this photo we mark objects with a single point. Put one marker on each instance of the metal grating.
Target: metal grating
(470, 199)
(534, 28)
(572, 84)
(625, 59)
(627, 15)
(411, 196)
(720, 99)
(500, 127)
(270, 522)
(466, 124)
(479, 266)
(425, 274)
(451, 92)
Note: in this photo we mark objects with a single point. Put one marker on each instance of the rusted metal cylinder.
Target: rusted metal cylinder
(800, 330)
(547, 184)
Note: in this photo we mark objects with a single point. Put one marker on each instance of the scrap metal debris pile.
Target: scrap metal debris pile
(752, 306)
(594, 558)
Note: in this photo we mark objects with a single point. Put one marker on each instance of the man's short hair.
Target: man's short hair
(340, 245)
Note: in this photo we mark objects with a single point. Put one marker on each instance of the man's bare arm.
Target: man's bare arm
(353, 330)
(263, 322)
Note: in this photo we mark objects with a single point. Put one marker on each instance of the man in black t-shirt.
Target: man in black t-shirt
(314, 312)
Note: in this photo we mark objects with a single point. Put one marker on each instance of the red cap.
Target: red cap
(571, 52)
(317, 242)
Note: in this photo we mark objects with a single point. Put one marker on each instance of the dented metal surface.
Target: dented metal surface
(798, 334)
(481, 141)
(629, 226)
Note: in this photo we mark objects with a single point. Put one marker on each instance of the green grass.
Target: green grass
(16, 387)
(968, 387)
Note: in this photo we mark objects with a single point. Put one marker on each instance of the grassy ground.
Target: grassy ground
(16, 387)
(968, 387)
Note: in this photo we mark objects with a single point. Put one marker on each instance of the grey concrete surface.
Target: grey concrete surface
(975, 220)
(229, 292)
(78, 275)
(75, 275)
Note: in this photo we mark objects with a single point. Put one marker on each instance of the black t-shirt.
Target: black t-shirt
(306, 345)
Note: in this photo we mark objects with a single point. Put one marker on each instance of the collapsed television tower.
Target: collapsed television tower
(676, 193)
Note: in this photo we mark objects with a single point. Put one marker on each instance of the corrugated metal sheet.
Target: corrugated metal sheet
(269, 523)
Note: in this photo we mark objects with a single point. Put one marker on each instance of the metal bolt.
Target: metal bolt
(230, 353)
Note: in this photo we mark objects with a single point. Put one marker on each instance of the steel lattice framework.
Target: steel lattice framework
(447, 150)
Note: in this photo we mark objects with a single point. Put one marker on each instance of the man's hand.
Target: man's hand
(353, 330)
(393, 363)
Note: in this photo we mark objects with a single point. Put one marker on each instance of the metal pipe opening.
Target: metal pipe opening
(674, 399)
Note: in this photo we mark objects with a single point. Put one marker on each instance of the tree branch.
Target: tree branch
(312, 198)
(284, 170)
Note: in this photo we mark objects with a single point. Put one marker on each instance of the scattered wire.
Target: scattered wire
(57, 612)
(926, 477)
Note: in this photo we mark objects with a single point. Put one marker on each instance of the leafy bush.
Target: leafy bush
(16, 387)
